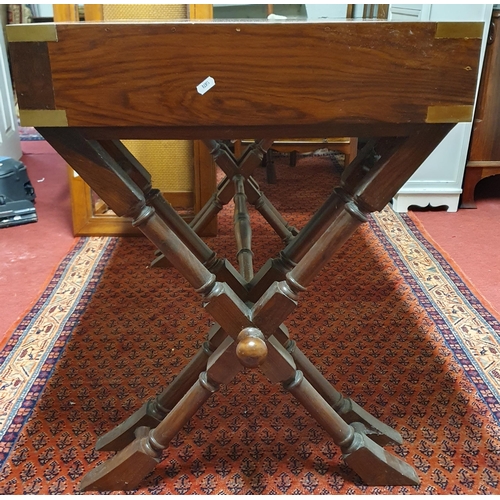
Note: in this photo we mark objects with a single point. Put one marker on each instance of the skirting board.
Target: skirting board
(402, 201)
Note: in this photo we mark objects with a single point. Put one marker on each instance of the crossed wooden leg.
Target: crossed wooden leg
(257, 328)
(238, 173)
(153, 411)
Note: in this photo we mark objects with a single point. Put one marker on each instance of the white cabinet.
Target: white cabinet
(439, 180)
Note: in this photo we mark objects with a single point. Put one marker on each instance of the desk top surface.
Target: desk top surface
(238, 77)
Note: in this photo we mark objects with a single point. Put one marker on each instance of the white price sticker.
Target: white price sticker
(205, 85)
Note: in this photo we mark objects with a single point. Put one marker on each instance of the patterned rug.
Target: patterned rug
(388, 322)
(29, 134)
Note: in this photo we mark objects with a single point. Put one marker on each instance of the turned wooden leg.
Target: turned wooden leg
(228, 163)
(242, 230)
(257, 198)
(230, 166)
(244, 167)
(222, 268)
(156, 409)
(253, 328)
(213, 206)
(293, 158)
(372, 463)
(348, 409)
(397, 156)
(126, 470)
(276, 269)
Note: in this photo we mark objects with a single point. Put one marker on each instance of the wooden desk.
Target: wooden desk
(403, 84)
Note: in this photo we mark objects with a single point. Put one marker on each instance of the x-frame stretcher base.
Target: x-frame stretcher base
(85, 86)
(249, 309)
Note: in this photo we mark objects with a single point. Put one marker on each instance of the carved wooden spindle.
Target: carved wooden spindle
(249, 160)
(233, 314)
(243, 230)
(223, 195)
(329, 242)
(276, 269)
(379, 431)
(279, 366)
(213, 206)
(251, 157)
(225, 190)
(141, 177)
(393, 154)
(348, 409)
(156, 409)
(372, 463)
(125, 198)
(373, 193)
(127, 468)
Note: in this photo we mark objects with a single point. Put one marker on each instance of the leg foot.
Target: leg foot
(270, 168)
(472, 176)
(348, 409)
(155, 410)
(375, 466)
(126, 469)
(376, 430)
(123, 434)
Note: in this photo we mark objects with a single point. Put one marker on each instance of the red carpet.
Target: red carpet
(30, 253)
(365, 322)
(472, 238)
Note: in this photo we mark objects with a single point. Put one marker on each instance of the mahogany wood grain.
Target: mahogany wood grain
(485, 145)
(34, 89)
(107, 74)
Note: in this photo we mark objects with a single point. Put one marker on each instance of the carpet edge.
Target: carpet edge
(456, 267)
(35, 383)
(15, 324)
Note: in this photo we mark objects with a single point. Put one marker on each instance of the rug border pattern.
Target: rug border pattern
(464, 356)
(58, 344)
(35, 381)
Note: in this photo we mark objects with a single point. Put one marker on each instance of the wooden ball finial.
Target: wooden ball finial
(251, 349)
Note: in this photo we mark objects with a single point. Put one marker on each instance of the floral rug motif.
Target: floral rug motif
(388, 321)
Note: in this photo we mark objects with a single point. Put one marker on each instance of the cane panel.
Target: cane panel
(169, 162)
